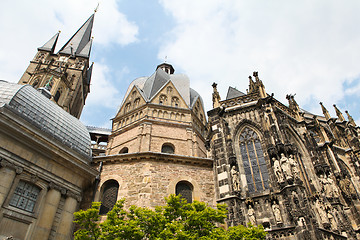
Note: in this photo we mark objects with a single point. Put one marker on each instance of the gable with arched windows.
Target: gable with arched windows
(253, 161)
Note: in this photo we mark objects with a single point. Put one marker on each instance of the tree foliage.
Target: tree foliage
(177, 220)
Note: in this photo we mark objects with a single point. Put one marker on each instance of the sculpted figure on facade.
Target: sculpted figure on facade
(285, 166)
(251, 215)
(277, 213)
(321, 211)
(277, 170)
(334, 192)
(294, 167)
(235, 179)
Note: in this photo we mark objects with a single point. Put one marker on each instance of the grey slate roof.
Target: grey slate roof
(233, 93)
(150, 86)
(80, 43)
(51, 44)
(42, 113)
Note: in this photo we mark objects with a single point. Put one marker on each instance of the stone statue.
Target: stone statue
(251, 215)
(277, 170)
(235, 179)
(333, 189)
(277, 213)
(326, 187)
(321, 211)
(294, 167)
(285, 166)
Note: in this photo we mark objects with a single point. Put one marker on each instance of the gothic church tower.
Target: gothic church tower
(64, 76)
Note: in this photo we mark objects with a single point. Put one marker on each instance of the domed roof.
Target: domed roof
(42, 113)
(150, 86)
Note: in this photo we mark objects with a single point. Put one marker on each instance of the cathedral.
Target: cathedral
(276, 165)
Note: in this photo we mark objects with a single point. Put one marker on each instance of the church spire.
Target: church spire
(339, 114)
(51, 44)
(325, 111)
(80, 43)
(351, 120)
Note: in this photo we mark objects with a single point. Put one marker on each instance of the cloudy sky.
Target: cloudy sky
(307, 48)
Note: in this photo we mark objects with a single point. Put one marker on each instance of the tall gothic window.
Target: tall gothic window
(185, 189)
(109, 196)
(253, 161)
(25, 196)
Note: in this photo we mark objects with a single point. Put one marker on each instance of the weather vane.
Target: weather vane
(96, 8)
(165, 59)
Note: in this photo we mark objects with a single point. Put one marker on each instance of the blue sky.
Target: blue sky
(307, 48)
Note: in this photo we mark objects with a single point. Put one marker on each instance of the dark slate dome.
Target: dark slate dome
(42, 113)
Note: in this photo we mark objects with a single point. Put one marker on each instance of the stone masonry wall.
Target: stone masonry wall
(146, 183)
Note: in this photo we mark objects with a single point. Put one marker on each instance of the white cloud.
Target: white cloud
(27, 25)
(102, 91)
(309, 48)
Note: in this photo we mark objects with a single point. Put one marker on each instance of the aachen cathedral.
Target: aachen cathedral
(277, 165)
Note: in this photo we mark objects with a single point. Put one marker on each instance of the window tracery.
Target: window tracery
(253, 161)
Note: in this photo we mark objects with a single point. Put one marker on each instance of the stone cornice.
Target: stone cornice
(157, 157)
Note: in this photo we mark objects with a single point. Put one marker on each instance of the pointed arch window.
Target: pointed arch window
(253, 160)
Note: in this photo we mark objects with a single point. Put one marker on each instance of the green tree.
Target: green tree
(177, 220)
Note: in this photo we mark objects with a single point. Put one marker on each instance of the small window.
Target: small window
(175, 102)
(57, 96)
(25, 196)
(124, 150)
(127, 107)
(185, 189)
(109, 196)
(162, 100)
(168, 148)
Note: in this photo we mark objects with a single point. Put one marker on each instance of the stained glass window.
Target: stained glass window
(185, 189)
(109, 196)
(25, 196)
(253, 161)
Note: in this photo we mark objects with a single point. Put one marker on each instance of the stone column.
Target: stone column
(7, 178)
(46, 216)
(64, 230)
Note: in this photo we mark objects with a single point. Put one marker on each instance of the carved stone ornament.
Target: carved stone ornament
(251, 215)
(277, 170)
(285, 166)
(235, 179)
(19, 170)
(73, 195)
(277, 213)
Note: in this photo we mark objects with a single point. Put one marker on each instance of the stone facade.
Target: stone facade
(43, 180)
(146, 178)
(292, 166)
(157, 144)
